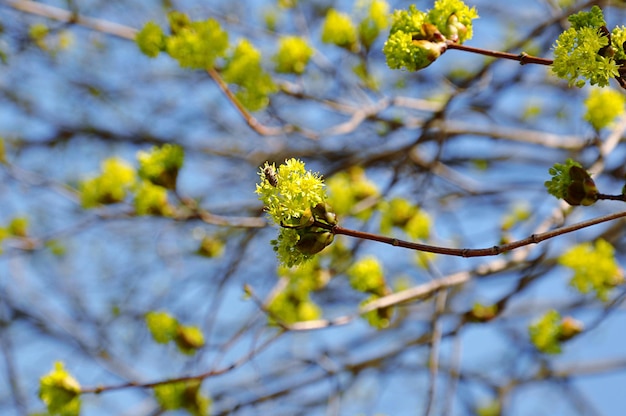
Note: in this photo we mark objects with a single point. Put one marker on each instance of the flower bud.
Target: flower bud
(570, 327)
(323, 212)
(312, 242)
(431, 33)
(455, 29)
(430, 50)
(582, 190)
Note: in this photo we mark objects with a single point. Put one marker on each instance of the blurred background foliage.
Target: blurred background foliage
(129, 218)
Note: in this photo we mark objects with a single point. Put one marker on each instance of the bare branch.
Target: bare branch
(475, 252)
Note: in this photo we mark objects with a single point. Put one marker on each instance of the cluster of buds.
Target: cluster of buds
(314, 229)
(295, 199)
(430, 42)
(582, 190)
(455, 30)
(418, 38)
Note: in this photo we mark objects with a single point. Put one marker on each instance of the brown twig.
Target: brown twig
(67, 16)
(252, 122)
(620, 197)
(523, 58)
(198, 377)
(471, 252)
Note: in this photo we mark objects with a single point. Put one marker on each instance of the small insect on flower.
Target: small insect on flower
(270, 175)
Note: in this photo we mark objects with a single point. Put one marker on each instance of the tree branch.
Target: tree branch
(469, 252)
(522, 57)
(56, 13)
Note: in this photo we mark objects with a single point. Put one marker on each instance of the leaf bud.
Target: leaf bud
(322, 212)
(312, 242)
(570, 327)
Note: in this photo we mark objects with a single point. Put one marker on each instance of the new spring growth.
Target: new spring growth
(295, 199)
(417, 38)
(572, 183)
(589, 51)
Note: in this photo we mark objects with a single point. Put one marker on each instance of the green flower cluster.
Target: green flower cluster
(210, 247)
(160, 166)
(293, 303)
(572, 183)
(482, 313)
(183, 395)
(165, 328)
(60, 391)
(193, 44)
(293, 55)
(379, 318)
(51, 41)
(402, 214)
(376, 20)
(367, 276)
(294, 198)
(289, 191)
(603, 106)
(110, 187)
(417, 38)
(454, 19)
(243, 69)
(151, 199)
(350, 188)
(151, 39)
(549, 331)
(158, 170)
(618, 37)
(198, 45)
(338, 29)
(594, 268)
(16, 228)
(585, 50)
(292, 306)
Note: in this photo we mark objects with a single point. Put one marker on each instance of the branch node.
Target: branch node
(523, 56)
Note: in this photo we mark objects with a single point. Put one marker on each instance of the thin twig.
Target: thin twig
(252, 122)
(433, 362)
(244, 359)
(418, 292)
(62, 15)
(475, 252)
(523, 58)
(620, 197)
